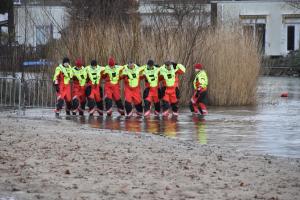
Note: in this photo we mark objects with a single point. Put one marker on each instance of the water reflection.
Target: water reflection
(112, 123)
(152, 126)
(95, 122)
(200, 129)
(133, 125)
(272, 126)
(169, 127)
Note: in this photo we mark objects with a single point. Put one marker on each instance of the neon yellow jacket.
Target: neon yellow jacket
(201, 80)
(151, 75)
(132, 76)
(80, 75)
(113, 73)
(94, 74)
(63, 72)
(169, 76)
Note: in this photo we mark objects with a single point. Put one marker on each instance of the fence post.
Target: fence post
(20, 94)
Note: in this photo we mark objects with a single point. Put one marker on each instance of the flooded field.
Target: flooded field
(271, 127)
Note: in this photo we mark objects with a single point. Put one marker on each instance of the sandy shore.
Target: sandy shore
(58, 159)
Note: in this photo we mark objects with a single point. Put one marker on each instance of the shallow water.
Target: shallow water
(272, 127)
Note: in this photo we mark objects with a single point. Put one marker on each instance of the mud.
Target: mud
(44, 158)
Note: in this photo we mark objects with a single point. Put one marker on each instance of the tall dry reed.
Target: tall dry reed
(233, 62)
(231, 59)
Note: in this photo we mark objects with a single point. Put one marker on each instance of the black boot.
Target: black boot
(128, 108)
(139, 109)
(82, 108)
(157, 108)
(68, 108)
(108, 106)
(120, 107)
(75, 104)
(174, 107)
(165, 105)
(100, 107)
(91, 104)
(59, 104)
(146, 105)
(108, 103)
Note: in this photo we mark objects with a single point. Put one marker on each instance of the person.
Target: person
(132, 76)
(78, 88)
(112, 74)
(94, 90)
(151, 91)
(61, 79)
(168, 73)
(176, 84)
(199, 98)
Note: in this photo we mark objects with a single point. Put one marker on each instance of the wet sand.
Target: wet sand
(59, 159)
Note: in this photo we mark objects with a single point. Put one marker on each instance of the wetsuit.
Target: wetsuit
(61, 79)
(199, 98)
(132, 91)
(151, 92)
(112, 88)
(78, 89)
(94, 90)
(169, 97)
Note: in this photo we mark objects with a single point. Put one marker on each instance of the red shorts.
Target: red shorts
(64, 92)
(153, 95)
(78, 92)
(112, 91)
(95, 93)
(133, 95)
(170, 95)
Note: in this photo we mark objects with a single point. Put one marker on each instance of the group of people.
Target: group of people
(80, 86)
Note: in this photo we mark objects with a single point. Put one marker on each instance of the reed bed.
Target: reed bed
(231, 58)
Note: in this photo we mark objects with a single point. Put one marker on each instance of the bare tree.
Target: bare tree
(294, 3)
(101, 11)
(185, 11)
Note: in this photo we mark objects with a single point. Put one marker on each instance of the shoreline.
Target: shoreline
(58, 159)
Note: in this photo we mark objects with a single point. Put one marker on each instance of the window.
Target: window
(248, 30)
(17, 2)
(257, 32)
(43, 34)
(260, 35)
(291, 38)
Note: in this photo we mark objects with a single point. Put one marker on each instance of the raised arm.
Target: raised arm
(180, 69)
(56, 73)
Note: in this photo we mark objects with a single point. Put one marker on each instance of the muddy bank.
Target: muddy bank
(58, 159)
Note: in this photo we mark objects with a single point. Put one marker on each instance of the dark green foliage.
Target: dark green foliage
(6, 5)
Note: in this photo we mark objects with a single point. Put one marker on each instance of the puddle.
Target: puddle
(272, 127)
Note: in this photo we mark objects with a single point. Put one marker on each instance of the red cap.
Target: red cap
(198, 66)
(78, 62)
(111, 61)
(284, 94)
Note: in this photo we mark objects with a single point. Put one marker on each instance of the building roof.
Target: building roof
(41, 2)
(240, 1)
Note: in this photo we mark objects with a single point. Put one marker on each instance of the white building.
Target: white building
(274, 22)
(36, 23)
